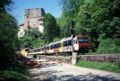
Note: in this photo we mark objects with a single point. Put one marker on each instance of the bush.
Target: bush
(13, 75)
(109, 46)
(8, 40)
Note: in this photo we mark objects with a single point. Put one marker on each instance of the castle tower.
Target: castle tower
(34, 18)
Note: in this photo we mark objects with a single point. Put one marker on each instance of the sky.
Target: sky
(50, 6)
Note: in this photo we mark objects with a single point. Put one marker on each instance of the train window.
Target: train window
(34, 56)
(83, 40)
(36, 50)
(47, 48)
(52, 46)
(27, 49)
(68, 43)
(65, 43)
(33, 50)
(43, 48)
(55, 46)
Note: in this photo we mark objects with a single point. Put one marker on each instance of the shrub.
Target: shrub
(13, 75)
(109, 46)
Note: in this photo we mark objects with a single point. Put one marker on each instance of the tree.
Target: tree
(99, 19)
(4, 5)
(70, 6)
(31, 37)
(8, 35)
(51, 28)
(8, 40)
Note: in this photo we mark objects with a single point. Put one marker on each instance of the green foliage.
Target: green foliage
(26, 41)
(8, 40)
(64, 23)
(32, 38)
(51, 28)
(99, 19)
(113, 67)
(38, 43)
(56, 39)
(14, 75)
(69, 5)
(109, 46)
(9, 44)
(4, 5)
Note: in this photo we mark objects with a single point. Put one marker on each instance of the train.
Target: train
(78, 43)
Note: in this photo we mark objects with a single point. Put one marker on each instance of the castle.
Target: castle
(33, 18)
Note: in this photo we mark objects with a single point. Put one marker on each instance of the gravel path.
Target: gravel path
(67, 72)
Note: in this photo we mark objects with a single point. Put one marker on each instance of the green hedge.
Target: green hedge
(113, 67)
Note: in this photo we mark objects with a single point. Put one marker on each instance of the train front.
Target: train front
(81, 44)
(84, 44)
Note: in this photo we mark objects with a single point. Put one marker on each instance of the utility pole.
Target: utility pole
(72, 30)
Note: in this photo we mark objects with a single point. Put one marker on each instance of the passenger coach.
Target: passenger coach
(79, 43)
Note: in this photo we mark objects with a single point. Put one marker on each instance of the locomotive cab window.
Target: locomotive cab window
(83, 40)
(75, 41)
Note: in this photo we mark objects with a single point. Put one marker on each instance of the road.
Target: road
(67, 72)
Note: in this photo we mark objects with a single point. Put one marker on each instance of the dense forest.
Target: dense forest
(98, 19)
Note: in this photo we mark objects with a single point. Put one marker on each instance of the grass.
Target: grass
(14, 75)
(112, 67)
(15, 72)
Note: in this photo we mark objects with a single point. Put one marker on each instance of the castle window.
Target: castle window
(40, 19)
(41, 24)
